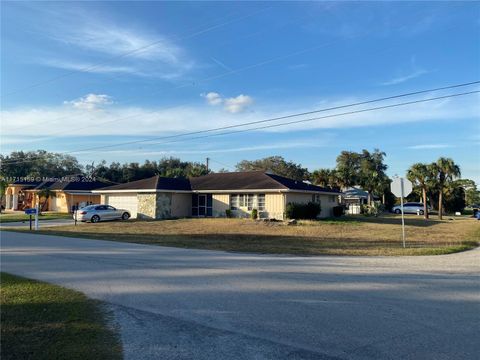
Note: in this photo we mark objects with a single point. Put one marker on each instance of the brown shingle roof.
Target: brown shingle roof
(235, 181)
(250, 180)
(154, 183)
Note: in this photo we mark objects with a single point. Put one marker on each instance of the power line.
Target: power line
(267, 120)
(273, 125)
(231, 72)
(326, 116)
(129, 53)
(273, 119)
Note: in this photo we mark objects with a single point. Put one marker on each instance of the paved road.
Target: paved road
(196, 304)
(42, 223)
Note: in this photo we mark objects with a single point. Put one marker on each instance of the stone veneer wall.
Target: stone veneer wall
(147, 208)
(164, 206)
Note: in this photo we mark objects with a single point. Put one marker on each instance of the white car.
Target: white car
(410, 208)
(99, 212)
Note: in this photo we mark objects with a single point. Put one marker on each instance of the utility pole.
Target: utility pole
(208, 159)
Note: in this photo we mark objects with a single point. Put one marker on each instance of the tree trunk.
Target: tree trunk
(425, 208)
(440, 205)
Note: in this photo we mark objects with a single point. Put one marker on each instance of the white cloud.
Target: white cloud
(403, 78)
(237, 104)
(127, 48)
(108, 38)
(213, 98)
(89, 67)
(232, 105)
(144, 122)
(429, 146)
(90, 101)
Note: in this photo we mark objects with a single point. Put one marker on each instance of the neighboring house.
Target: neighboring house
(211, 195)
(68, 191)
(353, 198)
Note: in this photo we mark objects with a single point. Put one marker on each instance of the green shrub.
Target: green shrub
(302, 211)
(254, 214)
(228, 213)
(338, 211)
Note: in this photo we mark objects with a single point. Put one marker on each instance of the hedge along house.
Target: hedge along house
(65, 193)
(212, 195)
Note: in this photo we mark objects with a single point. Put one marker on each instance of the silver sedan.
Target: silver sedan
(96, 213)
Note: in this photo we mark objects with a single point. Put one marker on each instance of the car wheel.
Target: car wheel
(125, 216)
(95, 218)
(397, 211)
(421, 212)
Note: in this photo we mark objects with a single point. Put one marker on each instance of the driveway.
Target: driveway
(197, 304)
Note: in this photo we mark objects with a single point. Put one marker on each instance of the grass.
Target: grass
(346, 236)
(17, 216)
(43, 321)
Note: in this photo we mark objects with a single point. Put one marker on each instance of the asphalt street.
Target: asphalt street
(174, 303)
(42, 223)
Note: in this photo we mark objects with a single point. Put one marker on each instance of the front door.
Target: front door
(202, 205)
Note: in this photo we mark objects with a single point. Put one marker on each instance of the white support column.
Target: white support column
(8, 201)
(15, 202)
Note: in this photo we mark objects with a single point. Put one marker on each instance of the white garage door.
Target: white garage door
(127, 201)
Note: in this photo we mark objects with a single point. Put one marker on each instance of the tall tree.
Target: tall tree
(348, 164)
(322, 177)
(276, 164)
(45, 194)
(445, 171)
(420, 175)
(38, 163)
(371, 172)
(326, 178)
(3, 189)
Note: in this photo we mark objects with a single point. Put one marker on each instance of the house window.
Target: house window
(331, 198)
(316, 198)
(261, 202)
(234, 202)
(247, 202)
(251, 202)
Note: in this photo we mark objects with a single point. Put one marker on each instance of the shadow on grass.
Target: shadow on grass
(279, 244)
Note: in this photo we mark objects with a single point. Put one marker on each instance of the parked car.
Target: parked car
(410, 208)
(99, 212)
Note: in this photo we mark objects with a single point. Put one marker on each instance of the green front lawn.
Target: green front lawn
(14, 217)
(43, 321)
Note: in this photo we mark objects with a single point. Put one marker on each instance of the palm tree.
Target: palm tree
(446, 171)
(420, 175)
(321, 177)
(3, 189)
(46, 194)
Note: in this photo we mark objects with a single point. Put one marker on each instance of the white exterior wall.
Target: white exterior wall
(181, 205)
(327, 203)
(221, 203)
(274, 206)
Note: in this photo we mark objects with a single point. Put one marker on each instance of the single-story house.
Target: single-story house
(65, 193)
(212, 195)
(353, 198)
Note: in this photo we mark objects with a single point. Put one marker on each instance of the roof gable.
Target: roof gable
(233, 181)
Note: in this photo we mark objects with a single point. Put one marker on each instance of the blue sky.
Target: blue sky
(218, 64)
